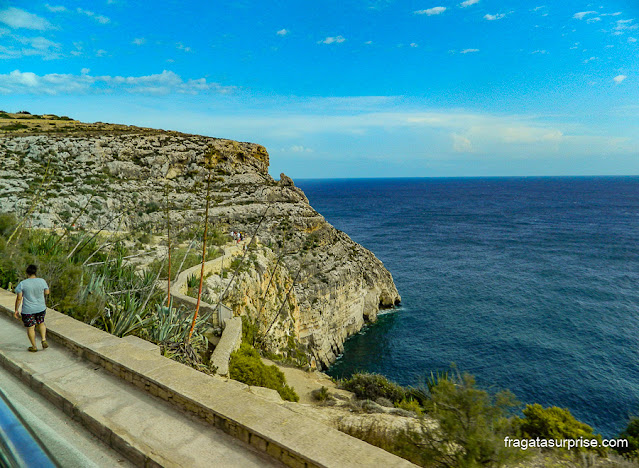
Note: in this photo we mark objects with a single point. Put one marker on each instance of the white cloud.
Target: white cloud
(19, 19)
(611, 14)
(494, 17)
(632, 39)
(99, 18)
(414, 44)
(100, 53)
(167, 82)
(368, 42)
(461, 144)
(282, 32)
(182, 47)
(591, 59)
(138, 41)
(468, 3)
(619, 78)
(32, 46)
(55, 9)
(626, 25)
(79, 46)
(85, 71)
(540, 51)
(469, 51)
(524, 134)
(507, 136)
(431, 11)
(593, 20)
(582, 14)
(332, 40)
(299, 149)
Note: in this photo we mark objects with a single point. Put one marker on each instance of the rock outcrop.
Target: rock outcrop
(335, 284)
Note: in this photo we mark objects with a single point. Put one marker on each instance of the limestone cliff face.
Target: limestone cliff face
(337, 284)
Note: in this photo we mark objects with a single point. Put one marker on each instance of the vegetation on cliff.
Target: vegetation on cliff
(461, 425)
(247, 366)
(91, 281)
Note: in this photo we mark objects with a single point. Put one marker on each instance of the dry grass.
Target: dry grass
(31, 124)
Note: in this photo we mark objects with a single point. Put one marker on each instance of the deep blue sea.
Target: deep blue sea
(530, 284)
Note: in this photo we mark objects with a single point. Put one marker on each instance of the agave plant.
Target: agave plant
(124, 316)
(436, 378)
(167, 324)
(94, 287)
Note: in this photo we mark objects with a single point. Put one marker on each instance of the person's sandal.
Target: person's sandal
(33, 349)
(45, 345)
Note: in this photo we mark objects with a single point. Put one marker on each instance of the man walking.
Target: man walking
(31, 293)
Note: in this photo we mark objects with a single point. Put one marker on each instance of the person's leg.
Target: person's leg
(42, 328)
(31, 335)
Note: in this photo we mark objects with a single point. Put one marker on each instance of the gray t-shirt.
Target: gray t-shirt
(32, 290)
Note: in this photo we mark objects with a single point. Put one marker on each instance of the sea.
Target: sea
(528, 283)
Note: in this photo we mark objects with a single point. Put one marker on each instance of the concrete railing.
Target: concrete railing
(229, 342)
(294, 439)
(179, 288)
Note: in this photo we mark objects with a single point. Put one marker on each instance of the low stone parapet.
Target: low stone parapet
(230, 341)
(179, 288)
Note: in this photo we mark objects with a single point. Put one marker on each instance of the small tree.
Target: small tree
(472, 424)
(631, 434)
(555, 423)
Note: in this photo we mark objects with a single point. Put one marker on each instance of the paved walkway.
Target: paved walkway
(176, 438)
(69, 443)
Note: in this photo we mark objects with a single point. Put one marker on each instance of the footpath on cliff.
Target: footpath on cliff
(147, 421)
(157, 412)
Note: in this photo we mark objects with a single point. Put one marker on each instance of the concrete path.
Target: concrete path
(174, 437)
(69, 443)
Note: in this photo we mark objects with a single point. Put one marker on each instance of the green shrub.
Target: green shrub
(152, 207)
(374, 386)
(193, 257)
(15, 126)
(631, 434)
(8, 223)
(470, 419)
(554, 423)
(320, 394)
(193, 280)
(8, 276)
(410, 405)
(247, 367)
(145, 238)
(250, 331)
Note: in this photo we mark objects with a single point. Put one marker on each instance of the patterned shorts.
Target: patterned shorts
(30, 320)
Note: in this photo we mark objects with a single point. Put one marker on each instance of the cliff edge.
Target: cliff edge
(122, 174)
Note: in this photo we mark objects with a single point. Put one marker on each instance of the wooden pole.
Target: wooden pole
(206, 227)
(168, 240)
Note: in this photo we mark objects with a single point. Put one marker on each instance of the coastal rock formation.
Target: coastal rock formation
(121, 173)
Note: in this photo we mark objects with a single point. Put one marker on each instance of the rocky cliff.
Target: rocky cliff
(51, 168)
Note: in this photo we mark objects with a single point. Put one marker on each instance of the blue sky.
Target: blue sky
(366, 88)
